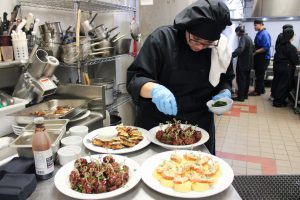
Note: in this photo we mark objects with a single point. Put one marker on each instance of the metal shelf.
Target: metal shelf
(121, 99)
(94, 61)
(9, 64)
(84, 5)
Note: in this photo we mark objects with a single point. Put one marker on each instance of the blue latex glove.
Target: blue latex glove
(164, 100)
(223, 94)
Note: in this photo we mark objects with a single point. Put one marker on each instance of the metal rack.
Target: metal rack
(121, 99)
(85, 5)
(94, 61)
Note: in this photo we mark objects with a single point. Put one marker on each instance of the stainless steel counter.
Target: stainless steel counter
(46, 190)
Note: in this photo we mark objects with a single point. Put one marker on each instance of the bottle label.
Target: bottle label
(43, 162)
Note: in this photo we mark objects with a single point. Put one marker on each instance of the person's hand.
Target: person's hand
(164, 100)
(223, 94)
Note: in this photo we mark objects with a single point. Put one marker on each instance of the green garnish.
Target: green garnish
(219, 104)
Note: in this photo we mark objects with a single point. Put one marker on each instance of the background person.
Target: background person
(262, 56)
(285, 60)
(244, 52)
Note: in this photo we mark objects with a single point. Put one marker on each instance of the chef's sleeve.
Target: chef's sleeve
(145, 68)
(240, 48)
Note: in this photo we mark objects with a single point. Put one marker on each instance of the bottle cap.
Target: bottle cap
(38, 120)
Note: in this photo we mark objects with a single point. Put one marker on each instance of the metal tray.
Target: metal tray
(25, 116)
(23, 143)
(50, 125)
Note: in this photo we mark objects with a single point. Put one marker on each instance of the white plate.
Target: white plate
(86, 114)
(88, 144)
(18, 130)
(61, 179)
(151, 163)
(152, 138)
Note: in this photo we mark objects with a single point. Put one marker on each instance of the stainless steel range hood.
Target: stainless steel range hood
(276, 8)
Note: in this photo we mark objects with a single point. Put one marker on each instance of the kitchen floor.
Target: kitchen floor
(256, 138)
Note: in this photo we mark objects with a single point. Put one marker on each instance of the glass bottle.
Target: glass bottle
(42, 151)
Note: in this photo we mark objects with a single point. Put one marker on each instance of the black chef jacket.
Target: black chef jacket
(167, 59)
(244, 51)
(285, 57)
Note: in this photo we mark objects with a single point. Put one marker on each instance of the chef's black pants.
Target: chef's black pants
(283, 80)
(260, 67)
(243, 82)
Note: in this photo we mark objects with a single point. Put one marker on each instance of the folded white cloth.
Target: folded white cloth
(220, 60)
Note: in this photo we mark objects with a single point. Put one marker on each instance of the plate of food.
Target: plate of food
(178, 136)
(116, 139)
(187, 174)
(97, 177)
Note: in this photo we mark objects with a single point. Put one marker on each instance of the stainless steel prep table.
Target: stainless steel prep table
(46, 190)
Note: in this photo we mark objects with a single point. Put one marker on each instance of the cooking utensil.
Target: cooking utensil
(29, 20)
(21, 25)
(35, 26)
(86, 78)
(135, 30)
(109, 87)
(117, 38)
(76, 106)
(100, 32)
(13, 17)
(78, 28)
(39, 62)
(70, 53)
(93, 18)
(51, 66)
(102, 44)
(122, 46)
(50, 27)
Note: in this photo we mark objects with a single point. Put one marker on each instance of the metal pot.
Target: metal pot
(109, 88)
(52, 27)
(122, 46)
(100, 32)
(103, 48)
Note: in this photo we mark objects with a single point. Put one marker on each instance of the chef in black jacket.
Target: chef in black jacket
(277, 43)
(172, 76)
(244, 52)
(285, 60)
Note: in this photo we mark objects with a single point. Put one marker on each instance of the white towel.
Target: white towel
(220, 60)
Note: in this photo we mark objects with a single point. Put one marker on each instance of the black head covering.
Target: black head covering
(240, 29)
(258, 21)
(288, 34)
(287, 26)
(204, 18)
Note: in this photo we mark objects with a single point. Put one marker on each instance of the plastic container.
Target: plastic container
(68, 153)
(7, 53)
(20, 50)
(7, 121)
